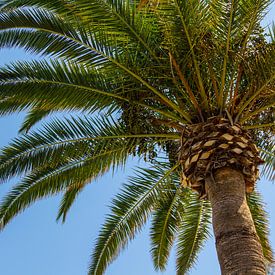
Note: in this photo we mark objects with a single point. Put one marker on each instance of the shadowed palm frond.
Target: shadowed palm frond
(64, 154)
(54, 178)
(48, 84)
(63, 85)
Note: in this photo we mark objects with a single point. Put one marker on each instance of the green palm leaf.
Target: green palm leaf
(149, 73)
(130, 211)
(52, 178)
(42, 32)
(37, 185)
(34, 116)
(261, 223)
(165, 222)
(193, 231)
(68, 199)
(69, 140)
(117, 18)
(49, 84)
(267, 150)
(56, 84)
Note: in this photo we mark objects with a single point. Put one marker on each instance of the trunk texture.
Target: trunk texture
(237, 243)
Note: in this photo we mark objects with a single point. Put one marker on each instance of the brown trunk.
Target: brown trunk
(238, 247)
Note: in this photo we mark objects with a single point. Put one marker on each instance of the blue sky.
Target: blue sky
(34, 244)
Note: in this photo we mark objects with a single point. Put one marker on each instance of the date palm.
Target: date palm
(187, 85)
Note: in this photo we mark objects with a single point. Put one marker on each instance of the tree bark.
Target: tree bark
(237, 243)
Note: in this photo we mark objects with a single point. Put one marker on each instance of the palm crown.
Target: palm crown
(149, 70)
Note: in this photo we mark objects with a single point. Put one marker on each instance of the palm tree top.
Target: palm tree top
(192, 59)
(156, 65)
(142, 73)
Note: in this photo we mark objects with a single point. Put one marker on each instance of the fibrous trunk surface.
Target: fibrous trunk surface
(238, 246)
(220, 161)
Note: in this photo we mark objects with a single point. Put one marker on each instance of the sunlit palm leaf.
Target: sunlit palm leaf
(52, 178)
(154, 67)
(77, 139)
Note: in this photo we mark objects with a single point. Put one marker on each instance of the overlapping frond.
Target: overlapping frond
(62, 155)
(208, 67)
(60, 85)
(118, 19)
(75, 139)
(258, 99)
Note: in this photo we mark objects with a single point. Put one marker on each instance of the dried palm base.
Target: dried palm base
(215, 144)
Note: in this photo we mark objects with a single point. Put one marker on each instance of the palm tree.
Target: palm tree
(187, 85)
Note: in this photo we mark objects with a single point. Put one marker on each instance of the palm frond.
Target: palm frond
(53, 84)
(69, 169)
(68, 199)
(259, 216)
(76, 139)
(117, 18)
(130, 211)
(193, 231)
(186, 12)
(37, 185)
(258, 70)
(32, 118)
(165, 221)
(272, 32)
(124, 18)
(267, 153)
(57, 5)
(56, 84)
(42, 32)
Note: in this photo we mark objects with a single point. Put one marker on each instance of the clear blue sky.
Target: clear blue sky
(34, 244)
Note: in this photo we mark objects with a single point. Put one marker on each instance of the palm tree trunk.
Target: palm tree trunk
(237, 243)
